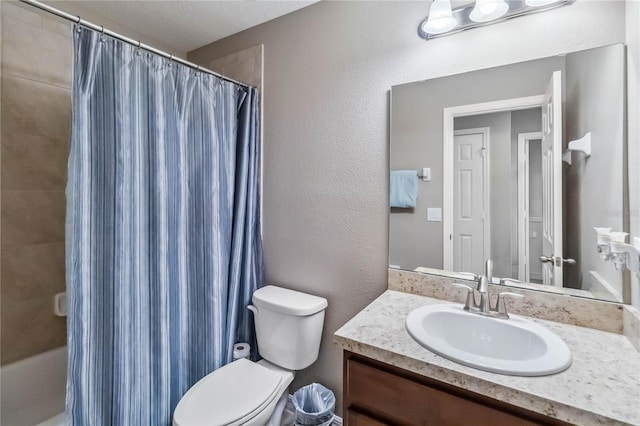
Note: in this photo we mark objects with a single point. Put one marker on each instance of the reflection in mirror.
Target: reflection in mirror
(483, 164)
(477, 171)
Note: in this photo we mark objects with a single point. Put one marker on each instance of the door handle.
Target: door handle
(556, 261)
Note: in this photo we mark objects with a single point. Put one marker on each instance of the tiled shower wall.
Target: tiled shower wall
(35, 126)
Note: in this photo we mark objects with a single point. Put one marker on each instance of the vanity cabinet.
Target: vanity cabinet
(377, 394)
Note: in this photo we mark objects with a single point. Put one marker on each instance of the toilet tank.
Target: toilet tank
(288, 326)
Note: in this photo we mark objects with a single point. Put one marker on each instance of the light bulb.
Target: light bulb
(440, 18)
(488, 10)
(539, 3)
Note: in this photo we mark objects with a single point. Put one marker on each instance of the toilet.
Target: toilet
(288, 328)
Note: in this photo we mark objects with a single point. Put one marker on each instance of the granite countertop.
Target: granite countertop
(602, 386)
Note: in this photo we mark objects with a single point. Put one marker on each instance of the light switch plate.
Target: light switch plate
(434, 214)
(426, 174)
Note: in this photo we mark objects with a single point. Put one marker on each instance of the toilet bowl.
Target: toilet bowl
(288, 329)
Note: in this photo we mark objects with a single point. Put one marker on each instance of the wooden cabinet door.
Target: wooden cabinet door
(377, 394)
(356, 419)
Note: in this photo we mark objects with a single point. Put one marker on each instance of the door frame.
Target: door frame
(486, 187)
(523, 203)
(449, 114)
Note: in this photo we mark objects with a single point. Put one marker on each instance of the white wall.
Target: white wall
(328, 70)
(594, 103)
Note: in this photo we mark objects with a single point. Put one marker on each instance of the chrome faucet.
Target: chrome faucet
(482, 287)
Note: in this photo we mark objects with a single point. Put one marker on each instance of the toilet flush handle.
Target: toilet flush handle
(253, 309)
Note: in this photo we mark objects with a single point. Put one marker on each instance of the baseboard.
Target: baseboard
(337, 420)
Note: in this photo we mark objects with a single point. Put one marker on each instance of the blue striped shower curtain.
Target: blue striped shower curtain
(163, 230)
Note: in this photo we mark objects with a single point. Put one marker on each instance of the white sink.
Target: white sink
(516, 346)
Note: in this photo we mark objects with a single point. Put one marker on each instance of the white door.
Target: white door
(524, 172)
(470, 212)
(552, 183)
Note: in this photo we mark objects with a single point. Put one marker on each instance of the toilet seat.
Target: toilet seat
(231, 395)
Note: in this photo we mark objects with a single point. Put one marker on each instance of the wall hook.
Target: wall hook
(583, 144)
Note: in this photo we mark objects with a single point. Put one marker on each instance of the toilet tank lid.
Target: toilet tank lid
(287, 301)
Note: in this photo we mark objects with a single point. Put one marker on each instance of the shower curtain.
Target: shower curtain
(163, 230)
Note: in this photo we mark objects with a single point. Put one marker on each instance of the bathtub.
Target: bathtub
(33, 390)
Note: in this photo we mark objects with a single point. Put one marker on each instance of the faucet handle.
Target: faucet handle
(467, 287)
(501, 306)
(474, 277)
(470, 298)
(504, 281)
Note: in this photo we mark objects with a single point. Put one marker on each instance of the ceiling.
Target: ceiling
(185, 25)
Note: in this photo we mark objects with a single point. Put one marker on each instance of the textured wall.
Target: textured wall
(328, 70)
(36, 118)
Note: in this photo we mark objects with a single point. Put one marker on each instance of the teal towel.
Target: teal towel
(403, 190)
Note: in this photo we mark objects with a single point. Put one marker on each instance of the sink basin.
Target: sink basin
(516, 347)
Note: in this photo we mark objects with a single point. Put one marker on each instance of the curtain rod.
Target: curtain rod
(137, 43)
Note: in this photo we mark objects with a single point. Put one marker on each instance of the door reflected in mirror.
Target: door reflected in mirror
(504, 185)
(481, 147)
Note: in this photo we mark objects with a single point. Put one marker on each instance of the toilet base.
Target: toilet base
(276, 416)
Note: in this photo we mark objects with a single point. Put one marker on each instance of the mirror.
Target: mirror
(516, 164)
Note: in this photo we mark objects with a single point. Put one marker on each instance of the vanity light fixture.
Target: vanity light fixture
(537, 3)
(488, 10)
(443, 21)
(440, 18)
